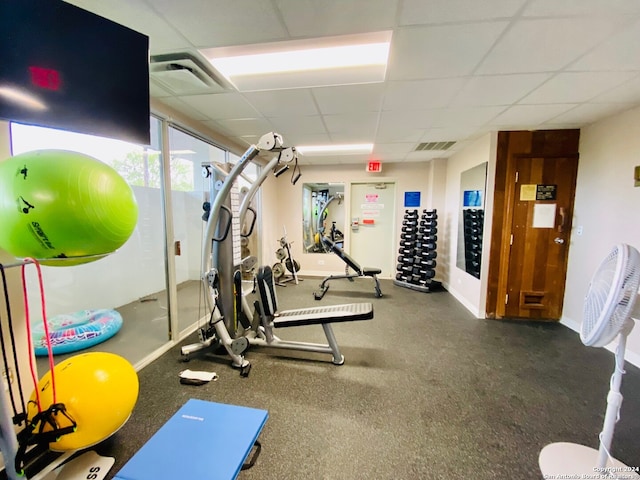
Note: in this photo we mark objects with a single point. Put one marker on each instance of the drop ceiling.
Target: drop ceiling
(457, 68)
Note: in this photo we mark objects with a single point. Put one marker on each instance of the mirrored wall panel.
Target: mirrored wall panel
(323, 214)
(471, 220)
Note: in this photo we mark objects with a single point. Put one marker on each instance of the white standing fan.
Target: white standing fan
(607, 314)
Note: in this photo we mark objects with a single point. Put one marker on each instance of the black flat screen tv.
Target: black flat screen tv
(67, 68)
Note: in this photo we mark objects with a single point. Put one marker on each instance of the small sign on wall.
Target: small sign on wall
(411, 199)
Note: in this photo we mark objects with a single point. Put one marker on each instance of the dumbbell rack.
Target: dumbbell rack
(417, 253)
(473, 220)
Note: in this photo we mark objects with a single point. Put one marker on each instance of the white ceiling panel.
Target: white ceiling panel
(498, 89)
(627, 93)
(222, 106)
(440, 51)
(593, 8)
(297, 125)
(582, 113)
(531, 115)
(444, 11)
(311, 18)
(421, 94)
(184, 108)
(545, 45)
(349, 98)
(576, 87)
(278, 103)
(619, 52)
(215, 24)
(359, 127)
(467, 116)
(244, 126)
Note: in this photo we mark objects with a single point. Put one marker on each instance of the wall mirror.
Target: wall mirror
(471, 220)
(323, 213)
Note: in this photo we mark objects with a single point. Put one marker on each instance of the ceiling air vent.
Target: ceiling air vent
(184, 73)
(434, 146)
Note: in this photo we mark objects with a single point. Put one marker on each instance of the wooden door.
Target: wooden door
(541, 204)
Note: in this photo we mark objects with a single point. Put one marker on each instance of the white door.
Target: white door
(372, 239)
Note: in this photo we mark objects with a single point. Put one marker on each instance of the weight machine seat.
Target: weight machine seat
(346, 258)
(306, 316)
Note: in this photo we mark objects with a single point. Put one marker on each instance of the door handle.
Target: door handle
(558, 240)
(563, 220)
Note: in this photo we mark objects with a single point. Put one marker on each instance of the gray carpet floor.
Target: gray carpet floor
(426, 392)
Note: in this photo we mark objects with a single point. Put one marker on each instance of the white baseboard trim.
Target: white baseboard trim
(632, 357)
(466, 304)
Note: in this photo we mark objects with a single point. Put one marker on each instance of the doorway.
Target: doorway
(372, 225)
(535, 187)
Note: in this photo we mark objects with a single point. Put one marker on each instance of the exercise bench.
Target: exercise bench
(351, 263)
(271, 317)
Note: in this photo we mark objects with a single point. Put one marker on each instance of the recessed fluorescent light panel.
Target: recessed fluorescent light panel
(342, 60)
(335, 149)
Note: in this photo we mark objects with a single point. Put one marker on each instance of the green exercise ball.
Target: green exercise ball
(63, 208)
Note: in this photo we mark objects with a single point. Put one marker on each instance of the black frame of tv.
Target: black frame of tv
(81, 72)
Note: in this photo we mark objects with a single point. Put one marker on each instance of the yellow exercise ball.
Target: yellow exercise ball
(99, 391)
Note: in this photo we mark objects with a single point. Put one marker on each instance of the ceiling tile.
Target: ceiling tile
(498, 89)
(407, 120)
(421, 94)
(222, 106)
(278, 103)
(349, 98)
(440, 51)
(628, 92)
(586, 114)
(619, 52)
(529, 116)
(296, 125)
(441, 11)
(385, 148)
(544, 45)
(360, 128)
(467, 116)
(576, 87)
(184, 108)
(215, 24)
(244, 126)
(594, 8)
(310, 18)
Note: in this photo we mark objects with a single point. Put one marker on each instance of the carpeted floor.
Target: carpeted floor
(426, 392)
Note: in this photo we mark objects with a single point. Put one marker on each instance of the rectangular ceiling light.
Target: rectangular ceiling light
(335, 149)
(342, 60)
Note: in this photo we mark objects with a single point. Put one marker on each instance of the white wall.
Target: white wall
(282, 205)
(468, 290)
(606, 207)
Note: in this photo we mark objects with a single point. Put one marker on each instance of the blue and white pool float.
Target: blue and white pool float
(70, 332)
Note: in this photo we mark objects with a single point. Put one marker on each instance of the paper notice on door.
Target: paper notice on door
(528, 192)
(544, 215)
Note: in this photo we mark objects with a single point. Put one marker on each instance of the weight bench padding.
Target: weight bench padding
(306, 316)
(330, 314)
(203, 440)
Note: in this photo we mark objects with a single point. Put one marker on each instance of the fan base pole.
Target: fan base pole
(570, 460)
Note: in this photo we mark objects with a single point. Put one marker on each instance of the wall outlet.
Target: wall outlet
(579, 230)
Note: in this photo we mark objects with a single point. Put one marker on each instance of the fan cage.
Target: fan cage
(611, 296)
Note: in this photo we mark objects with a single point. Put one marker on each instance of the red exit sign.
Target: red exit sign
(45, 78)
(374, 166)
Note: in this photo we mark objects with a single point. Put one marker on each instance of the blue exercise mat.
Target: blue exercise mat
(203, 440)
